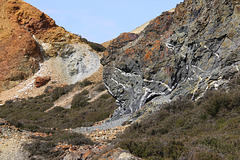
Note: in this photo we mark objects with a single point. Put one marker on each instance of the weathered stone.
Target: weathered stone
(41, 81)
(118, 154)
(181, 53)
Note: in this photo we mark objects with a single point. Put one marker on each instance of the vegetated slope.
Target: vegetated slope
(185, 52)
(207, 129)
(30, 114)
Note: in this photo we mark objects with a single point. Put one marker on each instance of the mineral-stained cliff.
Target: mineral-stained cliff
(29, 36)
(181, 53)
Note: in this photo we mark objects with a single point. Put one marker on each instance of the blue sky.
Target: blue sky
(102, 20)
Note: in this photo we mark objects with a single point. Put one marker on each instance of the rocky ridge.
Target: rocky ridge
(180, 53)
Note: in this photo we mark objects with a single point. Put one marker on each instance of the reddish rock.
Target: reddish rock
(38, 134)
(20, 54)
(41, 81)
(86, 154)
(73, 149)
(123, 39)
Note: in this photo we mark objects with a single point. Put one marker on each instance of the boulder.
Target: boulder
(41, 81)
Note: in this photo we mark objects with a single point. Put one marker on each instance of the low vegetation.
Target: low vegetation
(29, 114)
(95, 46)
(45, 147)
(207, 129)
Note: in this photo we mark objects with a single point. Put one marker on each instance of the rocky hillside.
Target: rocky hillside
(33, 46)
(180, 53)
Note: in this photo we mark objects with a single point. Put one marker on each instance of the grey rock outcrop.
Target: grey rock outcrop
(181, 53)
(76, 60)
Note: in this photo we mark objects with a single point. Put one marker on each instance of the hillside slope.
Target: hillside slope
(180, 53)
(32, 45)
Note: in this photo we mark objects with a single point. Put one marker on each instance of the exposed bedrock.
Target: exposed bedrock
(76, 60)
(181, 53)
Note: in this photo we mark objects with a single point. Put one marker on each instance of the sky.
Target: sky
(102, 20)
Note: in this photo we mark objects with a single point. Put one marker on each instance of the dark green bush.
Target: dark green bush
(30, 114)
(153, 149)
(214, 101)
(59, 91)
(80, 100)
(183, 127)
(100, 88)
(95, 46)
(105, 96)
(85, 92)
(57, 109)
(71, 138)
(45, 147)
(85, 83)
(179, 105)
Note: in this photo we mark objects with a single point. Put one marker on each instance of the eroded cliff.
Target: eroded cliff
(29, 37)
(181, 53)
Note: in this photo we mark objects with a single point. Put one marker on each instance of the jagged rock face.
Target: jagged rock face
(181, 53)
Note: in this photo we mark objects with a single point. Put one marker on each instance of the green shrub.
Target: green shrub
(79, 101)
(59, 91)
(95, 46)
(84, 83)
(219, 145)
(179, 105)
(153, 149)
(45, 147)
(180, 129)
(71, 138)
(57, 109)
(207, 156)
(29, 114)
(85, 92)
(214, 101)
(100, 88)
(105, 96)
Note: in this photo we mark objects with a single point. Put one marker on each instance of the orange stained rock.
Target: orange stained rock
(87, 154)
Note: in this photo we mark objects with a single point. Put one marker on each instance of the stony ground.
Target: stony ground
(102, 133)
(11, 140)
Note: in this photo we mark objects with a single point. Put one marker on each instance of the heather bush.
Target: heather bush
(181, 129)
(100, 88)
(80, 100)
(105, 96)
(45, 147)
(29, 114)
